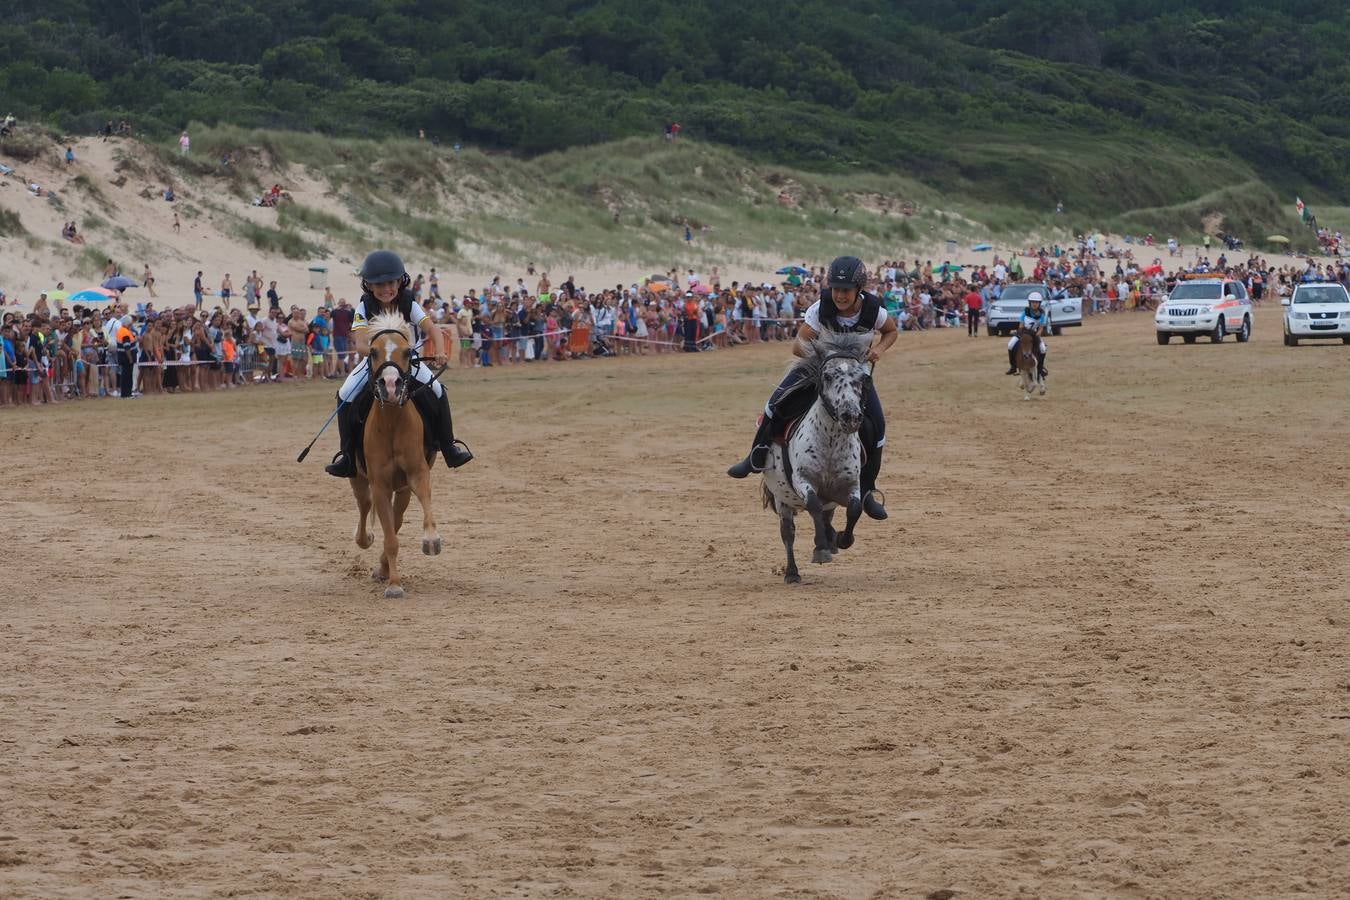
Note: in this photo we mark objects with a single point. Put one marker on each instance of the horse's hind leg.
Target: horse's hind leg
(787, 527)
(830, 534)
(384, 508)
(401, 498)
(822, 553)
(361, 489)
(431, 539)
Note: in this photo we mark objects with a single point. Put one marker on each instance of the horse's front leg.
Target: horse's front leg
(384, 508)
(421, 485)
(854, 512)
(361, 489)
(816, 508)
(787, 527)
(401, 498)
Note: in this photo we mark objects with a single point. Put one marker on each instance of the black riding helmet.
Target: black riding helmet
(381, 267)
(847, 272)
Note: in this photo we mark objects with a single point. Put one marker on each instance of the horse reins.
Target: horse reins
(820, 382)
(413, 359)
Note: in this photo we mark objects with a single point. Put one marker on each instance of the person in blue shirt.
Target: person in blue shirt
(1034, 318)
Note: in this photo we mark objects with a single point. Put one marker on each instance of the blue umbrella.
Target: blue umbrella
(89, 297)
(792, 270)
(979, 247)
(120, 283)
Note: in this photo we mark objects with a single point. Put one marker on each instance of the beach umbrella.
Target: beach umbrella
(979, 247)
(792, 270)
(120, 283)
(704, 289)
(794, 279)
(1277, 239)
(947, 268)
(658, 286)
(93, 295)
(57, 295)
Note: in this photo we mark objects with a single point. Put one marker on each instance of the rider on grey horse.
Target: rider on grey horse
(384, 283)
(844, 306)
(1035, 320)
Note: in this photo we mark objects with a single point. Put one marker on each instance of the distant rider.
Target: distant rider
(1033, 318)
(845, 307)
(384, 283)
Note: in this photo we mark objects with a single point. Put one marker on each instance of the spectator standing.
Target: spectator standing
(197, 290)
(974, 305)
(184, 142)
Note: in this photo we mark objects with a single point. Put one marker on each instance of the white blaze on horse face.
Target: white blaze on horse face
(390, 375)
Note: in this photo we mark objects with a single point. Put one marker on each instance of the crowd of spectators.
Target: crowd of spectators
(56, 353)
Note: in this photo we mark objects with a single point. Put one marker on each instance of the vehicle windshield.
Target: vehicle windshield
(1020, 292)
(1323, 293)
(1196, 292)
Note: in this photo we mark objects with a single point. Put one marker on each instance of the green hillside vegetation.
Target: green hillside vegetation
(1105, 103)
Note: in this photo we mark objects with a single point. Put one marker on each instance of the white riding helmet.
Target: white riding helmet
(1035, 297)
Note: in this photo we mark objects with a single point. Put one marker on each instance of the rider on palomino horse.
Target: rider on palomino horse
(384, 285)
(843, 306)
(1035, 320)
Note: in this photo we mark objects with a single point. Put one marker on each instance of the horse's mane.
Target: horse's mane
(391, 321)
(827, 344)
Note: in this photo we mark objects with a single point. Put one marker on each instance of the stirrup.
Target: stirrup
(457, 454)
(747, 467)
(342, 466)
(875, 509)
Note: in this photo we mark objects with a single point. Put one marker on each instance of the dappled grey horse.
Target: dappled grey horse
(818, 468)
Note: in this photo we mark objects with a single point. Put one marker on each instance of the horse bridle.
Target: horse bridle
(401, 393)
(820, 382)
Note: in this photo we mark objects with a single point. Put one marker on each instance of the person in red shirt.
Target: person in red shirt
(974, 303)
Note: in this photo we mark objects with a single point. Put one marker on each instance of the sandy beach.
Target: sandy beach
(1119, 671)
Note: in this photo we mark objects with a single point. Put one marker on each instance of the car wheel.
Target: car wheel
(989, 330)
(1056, 330)
(1286, 338)
(1216, 336)
(1345, 340)
(1164, 337)
(1245, 331)
(1291, 340)
(1188, 338)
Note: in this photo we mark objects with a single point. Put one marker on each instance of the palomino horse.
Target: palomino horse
(1028, 364)
(819, 467)
(394, 461)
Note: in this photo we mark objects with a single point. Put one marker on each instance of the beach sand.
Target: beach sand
(137, 229)
(1099, 648)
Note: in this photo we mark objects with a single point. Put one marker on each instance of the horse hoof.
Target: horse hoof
(845, 541)
(377, 575)
(393, 592)
(792, 578)
(821, 556)
(431, 547)
(365, 545)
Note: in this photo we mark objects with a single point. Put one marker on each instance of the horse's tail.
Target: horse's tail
(768, 498)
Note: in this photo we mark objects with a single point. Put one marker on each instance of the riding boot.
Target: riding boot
(436, 413)
(1012, 361)
(759, 450)
(344, 462)
(867, 481)
(1040, 363)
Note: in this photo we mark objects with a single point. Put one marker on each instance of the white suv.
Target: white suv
(1212, 306)
(1317, 312)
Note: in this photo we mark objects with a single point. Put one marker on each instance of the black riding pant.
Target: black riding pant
(795, 394)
